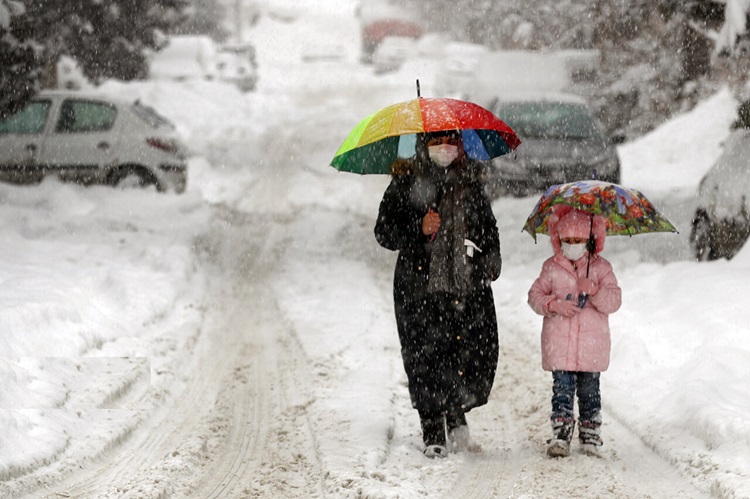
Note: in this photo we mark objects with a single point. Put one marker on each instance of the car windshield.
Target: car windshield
(548, 120)
(150, 116)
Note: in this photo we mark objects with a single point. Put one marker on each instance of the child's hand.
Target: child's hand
(566, 308)
(586, 285)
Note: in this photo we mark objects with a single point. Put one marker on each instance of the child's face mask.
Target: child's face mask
(573, 252)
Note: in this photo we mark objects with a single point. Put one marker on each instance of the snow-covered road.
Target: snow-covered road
(292, 387)
(255, 412)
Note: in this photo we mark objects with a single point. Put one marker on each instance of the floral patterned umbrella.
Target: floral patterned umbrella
(626, 211)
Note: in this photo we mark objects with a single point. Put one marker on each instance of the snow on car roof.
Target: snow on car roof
(84, 94)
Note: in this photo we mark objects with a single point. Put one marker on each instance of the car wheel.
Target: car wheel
(134, 178)
(700, 238)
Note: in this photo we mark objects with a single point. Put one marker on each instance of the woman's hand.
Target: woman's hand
(431, 223)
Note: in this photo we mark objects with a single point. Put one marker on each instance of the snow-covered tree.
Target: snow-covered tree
(20, 69)
(734, 27)
(107, 37)
(203, 17)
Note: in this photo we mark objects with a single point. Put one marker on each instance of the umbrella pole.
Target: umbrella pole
(590, 245)
(418, 92)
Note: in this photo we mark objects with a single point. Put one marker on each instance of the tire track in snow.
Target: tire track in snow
(171, 444)
(213, 434)
(267, 456)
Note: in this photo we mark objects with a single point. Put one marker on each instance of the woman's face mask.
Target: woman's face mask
(573, 252)
(443, 154)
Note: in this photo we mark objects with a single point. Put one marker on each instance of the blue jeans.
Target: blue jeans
(564, 387)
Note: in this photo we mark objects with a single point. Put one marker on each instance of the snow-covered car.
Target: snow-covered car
(236, 63)
(392, 52)
(184, 58)
(236, 70)
(459, 64)
(324, 52)
(89, 138)
(380, 19)
(562, 142)
(721, 224)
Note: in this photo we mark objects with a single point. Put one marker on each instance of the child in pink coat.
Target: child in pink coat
(575, 292)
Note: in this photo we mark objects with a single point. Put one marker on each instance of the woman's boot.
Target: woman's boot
(433, 434)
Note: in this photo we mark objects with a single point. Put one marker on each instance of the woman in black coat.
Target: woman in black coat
(437, 216)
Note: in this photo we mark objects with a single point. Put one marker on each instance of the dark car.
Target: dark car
(721, 224)
(562, 142)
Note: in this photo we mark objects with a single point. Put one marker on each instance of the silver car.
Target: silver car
(91, 139)
(562, 142)
(721, 223)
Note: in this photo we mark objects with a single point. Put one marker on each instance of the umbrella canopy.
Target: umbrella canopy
(379, 139)
(626, 211)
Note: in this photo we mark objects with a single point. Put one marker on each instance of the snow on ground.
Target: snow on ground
(109, 299)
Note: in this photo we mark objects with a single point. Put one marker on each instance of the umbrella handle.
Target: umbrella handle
(582, 299)
(591, 247)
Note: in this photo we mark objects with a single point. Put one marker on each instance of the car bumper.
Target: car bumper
(530, 179)
(243, 84)
(173, 177)
(729, 235)
(21, 174)
(28, 174)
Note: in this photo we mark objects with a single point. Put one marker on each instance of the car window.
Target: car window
(79, 116)
(30, 119)
(548, 120)
(150, 116)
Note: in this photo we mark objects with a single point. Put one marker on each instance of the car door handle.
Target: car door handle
(103, 145)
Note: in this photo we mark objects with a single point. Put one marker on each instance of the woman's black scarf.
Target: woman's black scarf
(450, 266)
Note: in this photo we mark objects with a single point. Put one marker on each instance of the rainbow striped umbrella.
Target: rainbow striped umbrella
(378, 140)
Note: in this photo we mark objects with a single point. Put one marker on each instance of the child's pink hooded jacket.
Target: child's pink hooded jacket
(582, 342)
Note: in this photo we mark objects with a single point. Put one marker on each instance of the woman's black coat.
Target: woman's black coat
(449, 343)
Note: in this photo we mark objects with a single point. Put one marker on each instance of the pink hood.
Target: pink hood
(567, 221)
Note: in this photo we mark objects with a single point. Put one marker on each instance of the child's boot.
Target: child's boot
(562, 433)
(590, 438)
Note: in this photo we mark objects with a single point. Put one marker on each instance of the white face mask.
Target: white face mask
(573, 252)
(443, 154)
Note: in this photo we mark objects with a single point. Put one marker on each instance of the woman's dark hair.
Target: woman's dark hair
(454, 134)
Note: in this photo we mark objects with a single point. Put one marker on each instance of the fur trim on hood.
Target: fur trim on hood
(567, 221)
